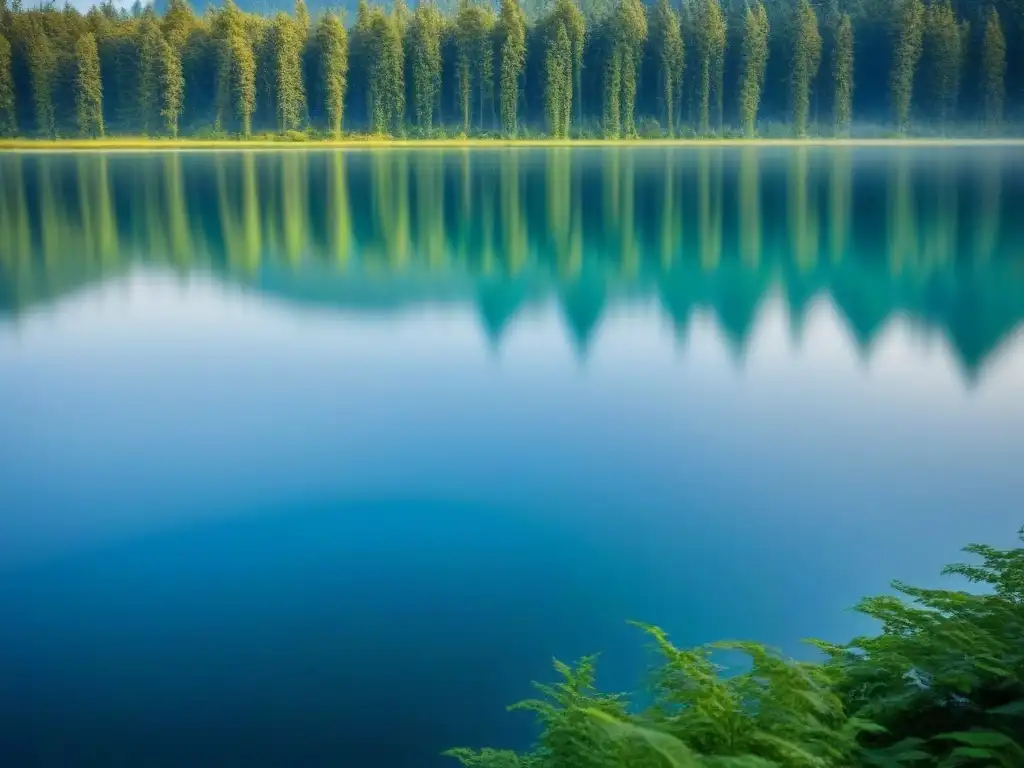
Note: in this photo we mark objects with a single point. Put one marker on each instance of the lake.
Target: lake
(319, 457)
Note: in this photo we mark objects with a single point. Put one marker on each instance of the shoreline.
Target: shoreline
(145, 145)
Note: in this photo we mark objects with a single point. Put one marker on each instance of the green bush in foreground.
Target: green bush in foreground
(942, 684)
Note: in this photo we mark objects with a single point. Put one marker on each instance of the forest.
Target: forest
(942, 684)
(600, 69)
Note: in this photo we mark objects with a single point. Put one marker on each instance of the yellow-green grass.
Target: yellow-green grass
(149, 144)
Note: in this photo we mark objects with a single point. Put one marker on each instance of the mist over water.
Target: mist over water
(319, 457)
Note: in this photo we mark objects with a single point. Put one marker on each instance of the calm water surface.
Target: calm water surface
(318, 458)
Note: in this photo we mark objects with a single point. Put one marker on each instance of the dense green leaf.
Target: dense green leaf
(940, 684)
(1013, 709)
(675, 752)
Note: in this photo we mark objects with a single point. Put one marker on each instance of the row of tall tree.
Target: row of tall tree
(628, 69)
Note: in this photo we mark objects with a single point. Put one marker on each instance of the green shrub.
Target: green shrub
(292, 136)
(211, 133)
(942, 685)
(649, 128)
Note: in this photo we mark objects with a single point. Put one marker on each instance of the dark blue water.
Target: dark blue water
(319, 459)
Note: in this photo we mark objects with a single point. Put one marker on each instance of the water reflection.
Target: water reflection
(225, 522)
(924, 234)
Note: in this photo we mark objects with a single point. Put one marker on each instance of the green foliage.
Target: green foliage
(7, 122)
(386, 71)
(461, 63)
(332, 43)
(178, 23)
(612, 92)
(945, 664)
(491, 758)
(778, 712)
(243, 78)
(425, 62)
(172, 85)
(755, 62)
(558, 85)
(908, 36)
(711, 40)
(842, 76)
(302, 18)
(989, 746)
(42, 63)
(944, 45)
(292, 136)
(993, 70)
(210, 133)
(806, 58)
(778, 709)
(667, 40)
(570, 733)
(236, 71)
(88, 89)
(512, 33)
(563, 30)
(474, 24)
(649, 128)
(942, 684)
(150, 64)
(289, 41)
(119, 50)
(664, 748)
(567, 13)
(629, 33)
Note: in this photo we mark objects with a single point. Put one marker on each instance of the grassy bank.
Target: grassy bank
(149, 144)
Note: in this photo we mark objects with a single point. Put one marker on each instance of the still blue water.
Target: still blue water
(319, 458)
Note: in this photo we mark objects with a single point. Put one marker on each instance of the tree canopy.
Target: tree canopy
(676, 67)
